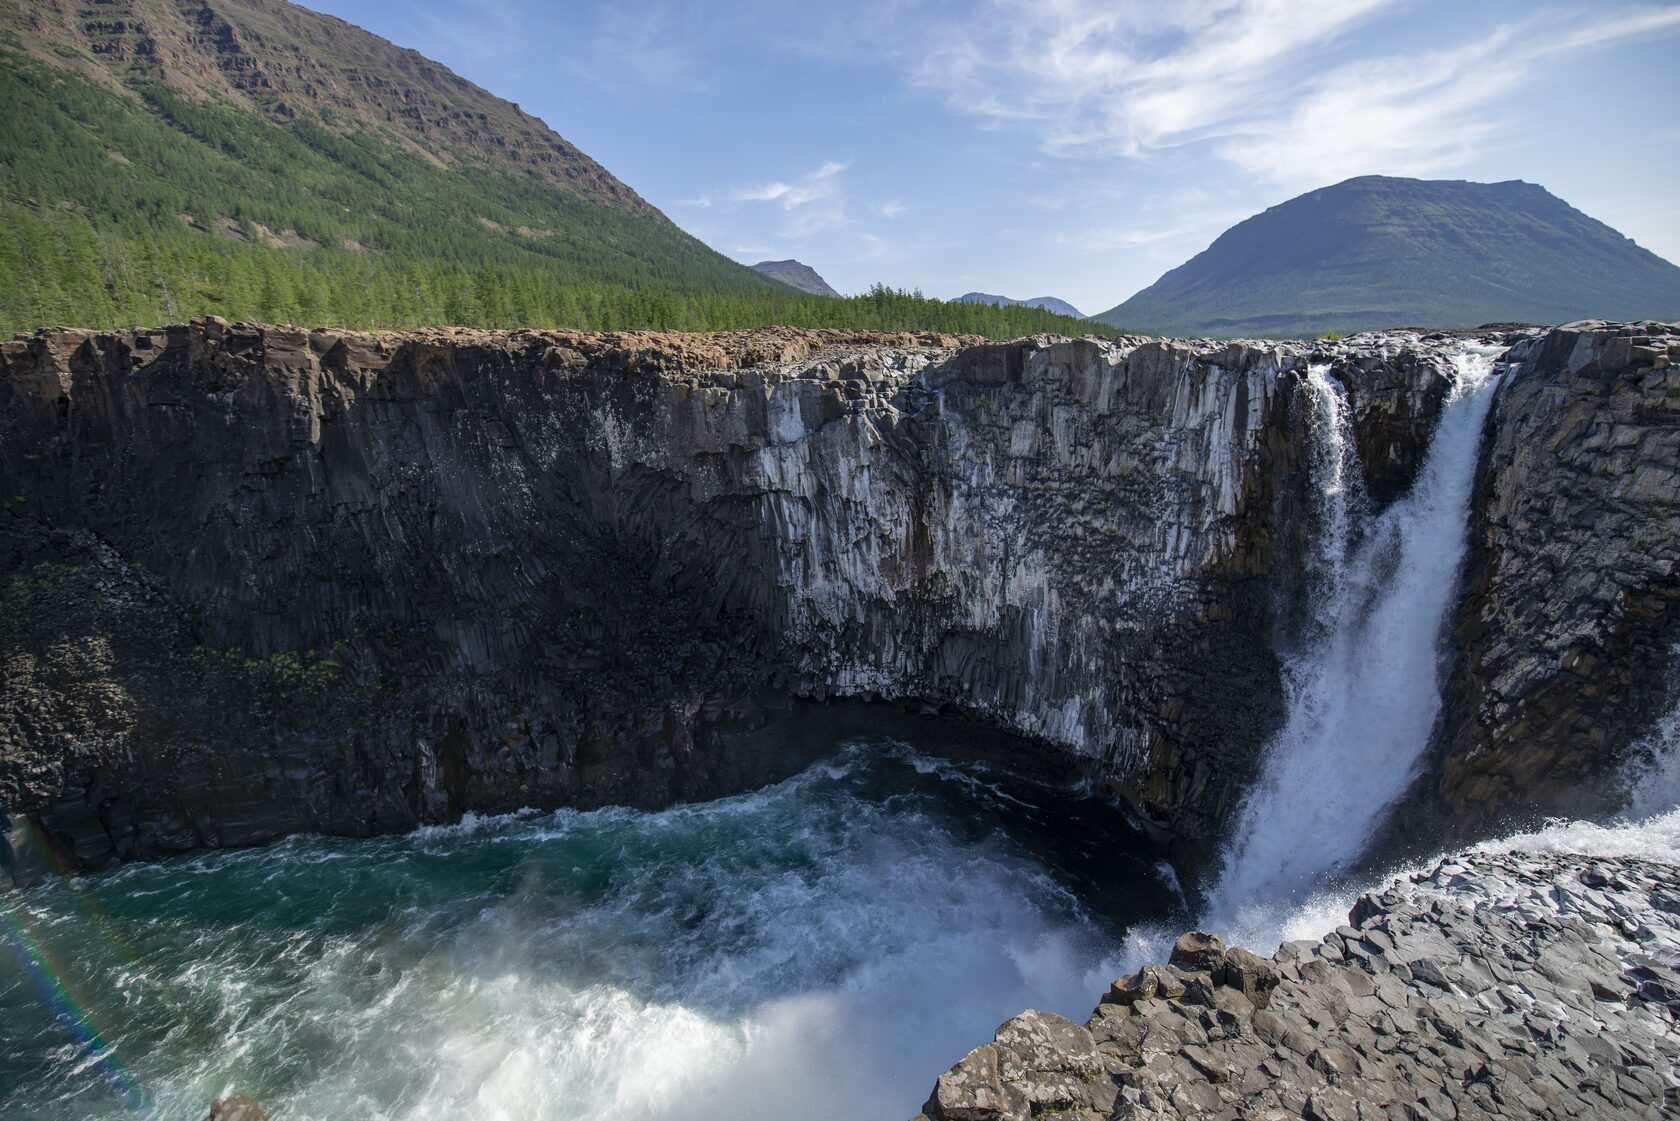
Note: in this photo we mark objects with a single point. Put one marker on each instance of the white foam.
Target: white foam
(1647, 828)
(810, 950)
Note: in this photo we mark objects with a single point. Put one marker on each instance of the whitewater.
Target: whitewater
(1364, 692)
(821, 948)
(1363, 688)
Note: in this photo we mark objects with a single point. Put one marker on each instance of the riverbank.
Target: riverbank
(1494, 985)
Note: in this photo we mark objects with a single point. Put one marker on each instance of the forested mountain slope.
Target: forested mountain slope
(257, 160)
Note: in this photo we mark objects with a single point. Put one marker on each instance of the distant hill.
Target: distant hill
(1047, 303)
(1382, 252)
(796, 275)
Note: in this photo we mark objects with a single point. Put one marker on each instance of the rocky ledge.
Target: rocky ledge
(260, 580)
(257, 580)
(1507, 985)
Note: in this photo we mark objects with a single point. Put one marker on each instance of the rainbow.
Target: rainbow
(58, 993)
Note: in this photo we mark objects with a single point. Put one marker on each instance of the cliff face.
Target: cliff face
(262, 580)
(1563, 651)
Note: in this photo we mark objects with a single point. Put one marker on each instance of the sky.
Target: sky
(1070, 148)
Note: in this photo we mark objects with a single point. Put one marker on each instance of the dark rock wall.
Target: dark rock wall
(1562, 654)
(262, 580)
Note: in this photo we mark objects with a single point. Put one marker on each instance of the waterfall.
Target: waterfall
(1651, 773)
(1335, 476)
(1363, 689)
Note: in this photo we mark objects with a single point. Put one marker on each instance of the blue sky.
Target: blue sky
(1066, 147)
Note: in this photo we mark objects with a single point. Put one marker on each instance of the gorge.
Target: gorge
(1286, 612)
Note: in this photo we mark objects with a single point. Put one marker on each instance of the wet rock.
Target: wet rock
(236, 1109)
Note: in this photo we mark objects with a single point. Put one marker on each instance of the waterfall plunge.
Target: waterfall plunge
(1363, 691)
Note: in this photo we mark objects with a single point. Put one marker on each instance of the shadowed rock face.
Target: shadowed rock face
(1564, 644)
(262, 580)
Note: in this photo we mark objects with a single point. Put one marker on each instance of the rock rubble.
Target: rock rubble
(1496, 985)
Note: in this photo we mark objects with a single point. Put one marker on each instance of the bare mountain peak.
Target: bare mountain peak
(1045, 303)
(796, 274)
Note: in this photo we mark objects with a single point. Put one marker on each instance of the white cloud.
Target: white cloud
(812, 203)
(1105, 77)
(1268, 85)
(1418, 114)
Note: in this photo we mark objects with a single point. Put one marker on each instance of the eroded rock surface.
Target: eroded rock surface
(1563, 648)
(1494, 986)
(261, 580)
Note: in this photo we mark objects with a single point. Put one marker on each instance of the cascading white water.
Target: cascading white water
(1335, 474)
(1363, 693)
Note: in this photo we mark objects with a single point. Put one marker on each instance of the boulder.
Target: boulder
(236, 1109)
(1197, 951)
(1251, 974)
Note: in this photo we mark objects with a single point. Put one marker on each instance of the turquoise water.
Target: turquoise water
(822, 948)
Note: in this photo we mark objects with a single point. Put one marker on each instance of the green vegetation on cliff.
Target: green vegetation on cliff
(143, 182)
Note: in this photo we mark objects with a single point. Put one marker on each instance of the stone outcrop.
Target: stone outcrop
(1493, 986)
(262, 580)
(236, 1109)
(1562, 653)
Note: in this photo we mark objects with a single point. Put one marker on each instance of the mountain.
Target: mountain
(796, 275)
(288, 63)
(1382, 252)
(1047, 303)
(253, 157)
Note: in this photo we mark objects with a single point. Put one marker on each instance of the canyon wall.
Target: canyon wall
(261, 580)
(1563, 652)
